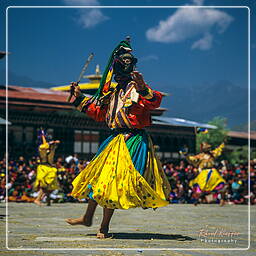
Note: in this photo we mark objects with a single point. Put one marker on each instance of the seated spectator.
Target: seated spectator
(21, 176)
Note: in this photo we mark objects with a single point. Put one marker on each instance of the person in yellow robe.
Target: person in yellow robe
(46, 177)
(208, 178)
(125, 173)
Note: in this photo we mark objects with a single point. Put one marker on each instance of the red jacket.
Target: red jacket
(138, 114)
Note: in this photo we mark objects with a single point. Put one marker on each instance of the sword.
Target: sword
(72, 87)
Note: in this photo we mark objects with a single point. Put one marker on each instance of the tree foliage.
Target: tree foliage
(214, 136)
(238, 155)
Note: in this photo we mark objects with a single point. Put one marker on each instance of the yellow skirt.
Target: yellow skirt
(115, 182)
(46, 177)
(207, 180)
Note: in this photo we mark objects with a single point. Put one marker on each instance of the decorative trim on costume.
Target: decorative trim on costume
(147, 93)
(80, 102)
(125, 119)
(217, 151)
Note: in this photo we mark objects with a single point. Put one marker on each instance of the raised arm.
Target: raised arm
(217, 151)
(98, 113)
(194, 160)
(149, 98)
(53, 145)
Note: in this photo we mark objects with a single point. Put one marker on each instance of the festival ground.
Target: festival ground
(144, 232)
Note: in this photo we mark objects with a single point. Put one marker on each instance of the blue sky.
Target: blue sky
(175, 47)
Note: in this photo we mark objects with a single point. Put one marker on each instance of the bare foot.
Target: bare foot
(222, 202)
(38, 203)
(79, 221)
(103, 233)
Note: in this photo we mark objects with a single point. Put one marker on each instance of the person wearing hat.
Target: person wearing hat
(125, 172)
(208, 179)
(46, 175)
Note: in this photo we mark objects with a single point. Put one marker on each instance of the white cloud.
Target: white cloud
(187, 23)
(205, 43)
(88, 17)
(91, 18)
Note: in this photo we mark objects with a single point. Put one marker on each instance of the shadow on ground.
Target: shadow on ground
(2, 216)
(148, 236)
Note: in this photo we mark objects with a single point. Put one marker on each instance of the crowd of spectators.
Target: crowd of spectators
(236, 177)
(22, 174)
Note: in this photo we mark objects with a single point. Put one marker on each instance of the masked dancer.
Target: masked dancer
(208, 178)
(46, 177)
(125, 172)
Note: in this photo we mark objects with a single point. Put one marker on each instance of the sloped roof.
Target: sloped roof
(242, 135)
(180, 122)
(34, 97)
(42, 98)
(3, 121)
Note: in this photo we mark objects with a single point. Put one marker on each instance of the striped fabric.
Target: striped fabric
(108, 81)
(119, 106)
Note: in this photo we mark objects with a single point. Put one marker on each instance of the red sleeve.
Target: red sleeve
(98, 113)
(153, 101)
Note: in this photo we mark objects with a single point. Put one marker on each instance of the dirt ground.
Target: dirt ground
(173, 230)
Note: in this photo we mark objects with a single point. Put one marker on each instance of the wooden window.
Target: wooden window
(86, 141)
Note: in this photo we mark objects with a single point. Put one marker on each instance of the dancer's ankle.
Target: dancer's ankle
(104, 229)
(87, 220)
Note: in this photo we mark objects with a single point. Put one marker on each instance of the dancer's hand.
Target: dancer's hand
(76, 89)
(139, 84)
(54, 142)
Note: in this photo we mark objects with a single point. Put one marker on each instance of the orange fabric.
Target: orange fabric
(96, 112)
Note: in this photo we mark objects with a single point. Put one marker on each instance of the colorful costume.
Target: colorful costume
(209, 178)
(46, 177)
(125, 172)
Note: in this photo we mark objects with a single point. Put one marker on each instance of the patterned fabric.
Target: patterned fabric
(126, 108)
(208, 180)
(205, 160)
(120, 101)
(137, 144)
(108, 81)
(46, 153)
(46, 177)
(125, 173)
